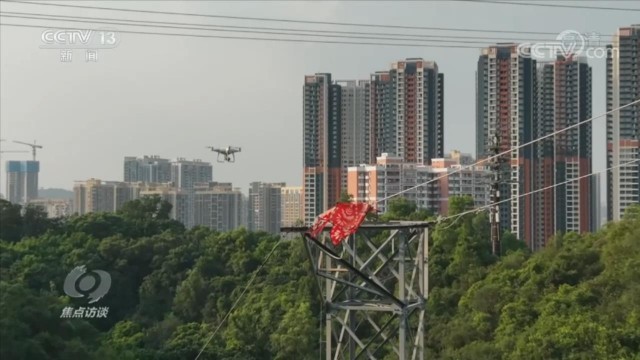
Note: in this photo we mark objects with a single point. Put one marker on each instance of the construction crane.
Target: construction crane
(34, 146)
(11, 151)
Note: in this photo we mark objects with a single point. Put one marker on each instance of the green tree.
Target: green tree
(510, 243)
(400, 208)
(18, 221)
(31, 327)
(287, 342)
(171, 287)
(147, 216)
(36, 222)
(187, 342)
(11, 221)
(147, 207)
(460, 204)
(345, 196)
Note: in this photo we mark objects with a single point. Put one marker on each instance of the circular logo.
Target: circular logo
(93, 284)
(571, 42)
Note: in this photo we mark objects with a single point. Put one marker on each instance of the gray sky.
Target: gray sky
(172, 96)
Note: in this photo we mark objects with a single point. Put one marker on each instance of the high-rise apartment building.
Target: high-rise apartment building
(506, 112)
(407, 111)
(354, 137)
(244, 213)
(564, 100)
(185, 174)
(347, 123)
(322, 150)
(22, 181)
(375, 184)
(291, 205)
(599, 216)
(218, 206)
(173, 180)
(55, 208)
(462, 179)
(623, 126)
(214, 205)
(147, 169)
(265, 206)
(181, 200)
(95, 195)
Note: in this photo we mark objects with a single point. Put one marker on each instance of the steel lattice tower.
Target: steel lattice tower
(374, 286)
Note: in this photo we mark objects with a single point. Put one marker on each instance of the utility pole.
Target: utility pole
(495, 198)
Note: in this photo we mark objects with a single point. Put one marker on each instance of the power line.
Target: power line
(509, 151)
(286, 20)
(256, 38)
(255, 275)
(3, 13)
(565, 6)
(300, 32)
(537, 191)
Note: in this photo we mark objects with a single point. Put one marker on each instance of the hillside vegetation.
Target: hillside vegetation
(171, 287)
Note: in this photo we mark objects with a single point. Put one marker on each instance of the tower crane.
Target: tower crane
(34, 146)
(11, 151)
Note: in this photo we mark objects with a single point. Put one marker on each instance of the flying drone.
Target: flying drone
(226, 154)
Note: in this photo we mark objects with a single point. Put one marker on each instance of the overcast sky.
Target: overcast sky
(173, 96)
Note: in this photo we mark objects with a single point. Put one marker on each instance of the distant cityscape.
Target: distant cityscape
(187, 184)
(541, 187)
(197, 200)
(376, 138)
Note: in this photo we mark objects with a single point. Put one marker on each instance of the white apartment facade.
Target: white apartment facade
(428, 186)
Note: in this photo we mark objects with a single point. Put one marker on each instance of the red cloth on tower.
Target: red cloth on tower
(345, 218)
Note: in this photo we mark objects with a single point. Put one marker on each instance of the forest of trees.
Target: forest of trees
(577, 299)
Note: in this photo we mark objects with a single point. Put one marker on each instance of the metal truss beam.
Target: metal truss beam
(369, 283)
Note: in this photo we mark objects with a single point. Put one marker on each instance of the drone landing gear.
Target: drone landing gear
(222, 159)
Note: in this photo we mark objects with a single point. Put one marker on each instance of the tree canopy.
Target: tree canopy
(171, 287)
(401, 208)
